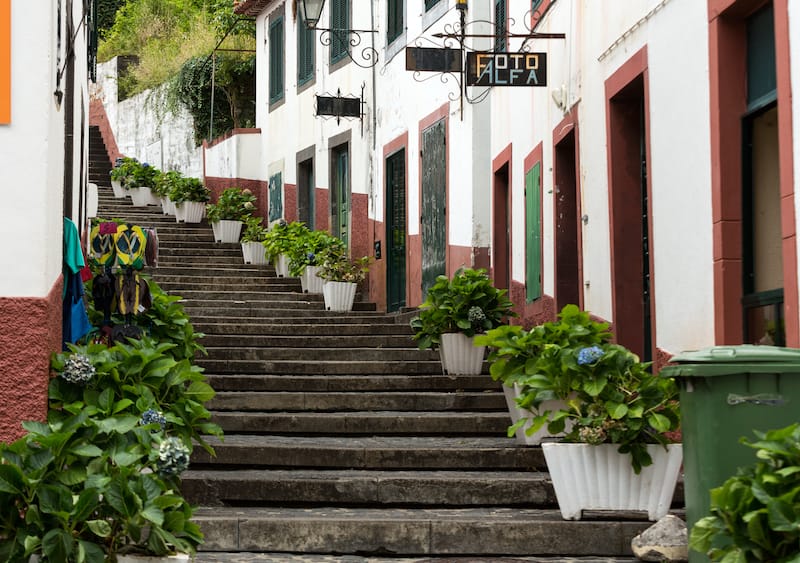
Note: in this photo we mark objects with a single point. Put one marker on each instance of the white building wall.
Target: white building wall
(235, 157)
(32, 160)
(146, 129)
(679, 136)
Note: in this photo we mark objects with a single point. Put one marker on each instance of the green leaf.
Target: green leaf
(86, 450)
(616, 410)
(100, 528)
(595, 386)
(72, 476)
(659, 422)
(91, 552)
(153, 514)
(12, 479)
(118, 424)
(200, 391)
(57, 545)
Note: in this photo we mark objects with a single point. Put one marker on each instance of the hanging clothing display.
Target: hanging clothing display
(75, 322)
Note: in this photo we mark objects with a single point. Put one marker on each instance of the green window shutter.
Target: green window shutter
(305, 52)
(395, 23)
(276, 60)
(535, 5)
(429, 4)
(340, 21)
(500, 30)
(761, 69)
(533, 233)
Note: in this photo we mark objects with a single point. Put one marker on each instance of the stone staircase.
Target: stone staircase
(99, 162)
(344, 440)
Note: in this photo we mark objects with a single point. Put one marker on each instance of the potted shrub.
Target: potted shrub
(619, 453)
(303, 257)
(532, 360)
(341, 278)
(144, 178)
(228, 214)
(122, 175)
(753, 515)
(454, 311)
(164, 183)
(253, 235)
(279, 241)
(189, 196)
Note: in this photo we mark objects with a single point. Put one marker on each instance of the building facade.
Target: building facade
(650, 180)
(43, 147)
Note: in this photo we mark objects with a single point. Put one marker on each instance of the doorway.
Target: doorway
(434, 204)
(567, 250)
(501, 242)
(396, 231)
(305, 192)
(340, 192)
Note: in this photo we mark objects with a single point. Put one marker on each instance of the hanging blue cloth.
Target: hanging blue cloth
(74, 320)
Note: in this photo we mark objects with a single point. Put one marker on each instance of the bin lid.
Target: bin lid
(726, 360)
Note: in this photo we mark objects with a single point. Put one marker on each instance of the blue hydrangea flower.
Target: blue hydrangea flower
(311, 258)
(152, 416)
(173, 457)
(589, 355)
(78, 369)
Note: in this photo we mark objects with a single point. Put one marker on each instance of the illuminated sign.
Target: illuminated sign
(506, 69)
(5, 61)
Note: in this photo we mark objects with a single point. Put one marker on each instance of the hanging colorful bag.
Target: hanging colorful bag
(130, 242)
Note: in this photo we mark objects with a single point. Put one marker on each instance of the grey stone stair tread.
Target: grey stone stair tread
(266, 382)
(319, 340)
(459, 531)
(362, 400)
(252, 332)
(326, 354)
(249, 557)
(373, 422)
(265, 312)
(302, 367)
(358, 487)
(384, 452)
(328, 319)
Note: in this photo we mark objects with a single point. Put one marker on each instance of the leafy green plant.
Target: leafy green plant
(614, 399)
(469, 303)
(338, 267)
(144, 175)
(165, 182)
(233, 204)
(309, 246)
(100, 477)
(253, 230)
(538, 360)
(189, 189)
(282, 237)
(125, 172)
(755, 515)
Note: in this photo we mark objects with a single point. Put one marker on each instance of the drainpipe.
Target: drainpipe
(373, 132)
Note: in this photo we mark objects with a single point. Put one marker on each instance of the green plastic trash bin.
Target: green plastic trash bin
(726, 392)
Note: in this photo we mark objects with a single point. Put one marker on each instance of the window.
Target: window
(340, 22)
(429, 4)
(395, 23)
(500, 28)
(305, 52)
(535, 5)
(276, 74)
(533, 233)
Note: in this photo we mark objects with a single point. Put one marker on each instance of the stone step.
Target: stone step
(313, 354)
(266, 310)
(200, 294)
(373, 452)
(194, 274)
(320, 339)
(325, 318)
(302, 367)
(365, 487)
(252, 307)
(201, 249)
(449, 423)
(274, 557)
(367, 382)
(331, 401)
(484, 531)
(277, 334)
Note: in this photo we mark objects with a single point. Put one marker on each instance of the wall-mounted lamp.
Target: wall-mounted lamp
(310, 12)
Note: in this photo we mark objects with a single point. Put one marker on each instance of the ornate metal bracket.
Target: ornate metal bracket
(352, 37)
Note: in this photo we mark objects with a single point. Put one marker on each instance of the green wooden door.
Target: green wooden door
(340, 193)
(533, 233)
(275, 196)
(396, 231)
(434, 200)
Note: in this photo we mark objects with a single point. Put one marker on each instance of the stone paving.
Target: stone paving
(308, 558)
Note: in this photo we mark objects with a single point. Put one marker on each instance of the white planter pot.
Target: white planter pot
(310, 281)
(254, 253)
(189, 211)
(587, 477)
(226, 230)
(119, 191)
(282, 266)
(511, 394)
(338, 296)
(167, 206)
(460, 356)
(139, 196)
(131, 558)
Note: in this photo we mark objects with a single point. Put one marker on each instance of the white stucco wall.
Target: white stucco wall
(145, 129)
(32, 160)
(679, 166)
(235, 157)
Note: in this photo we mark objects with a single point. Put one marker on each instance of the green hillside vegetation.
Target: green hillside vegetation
(172, 42)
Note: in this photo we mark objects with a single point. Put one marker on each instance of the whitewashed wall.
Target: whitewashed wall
(145, 129)
(235, 157)
(679, 137)
(32, 160)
